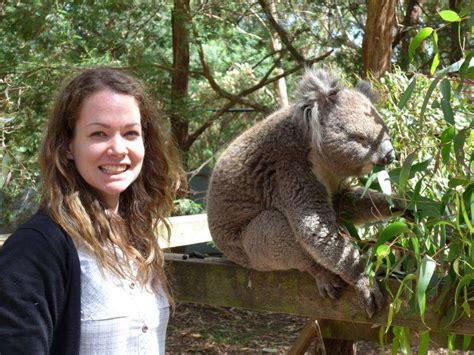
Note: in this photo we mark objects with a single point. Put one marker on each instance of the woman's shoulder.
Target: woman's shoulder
(40, 231)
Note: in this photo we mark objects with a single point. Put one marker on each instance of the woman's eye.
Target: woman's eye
(98, 134)
(133, 134)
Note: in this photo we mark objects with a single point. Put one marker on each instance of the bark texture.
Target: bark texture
(180, 74)
(378, 38)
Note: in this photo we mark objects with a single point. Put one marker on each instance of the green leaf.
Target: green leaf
(447, 135)
(391, 231)
(448, 113)
(416, 41)
(428, 96)
(369, 182)
(426, 271)
(466, 65)
(451, 339)
(455, 181)
(405, 172)
(424, 342)
(382, 251)
(459, 140)
(445, 88)
(445, 152)
(351, 229)
(415, 168)
(466, 342)
(407, 94)
(449, 16)
(435, 62)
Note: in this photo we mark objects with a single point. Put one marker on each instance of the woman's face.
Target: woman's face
(107, 147)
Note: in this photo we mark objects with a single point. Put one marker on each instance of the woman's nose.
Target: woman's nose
(117, 146)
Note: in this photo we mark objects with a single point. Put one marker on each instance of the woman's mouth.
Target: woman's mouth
(114, 169)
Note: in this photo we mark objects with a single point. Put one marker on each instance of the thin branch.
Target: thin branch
(282, 33)
(197, 133)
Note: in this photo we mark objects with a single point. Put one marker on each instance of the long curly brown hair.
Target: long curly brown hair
(143, 206)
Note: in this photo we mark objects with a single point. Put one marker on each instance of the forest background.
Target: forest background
(215, 68)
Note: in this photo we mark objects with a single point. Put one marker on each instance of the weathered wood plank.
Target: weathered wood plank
(219, 282)
(185, 230)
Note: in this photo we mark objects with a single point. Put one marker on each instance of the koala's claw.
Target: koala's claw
(328, 285)
(370, 298)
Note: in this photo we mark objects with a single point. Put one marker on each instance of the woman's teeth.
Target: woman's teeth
(113, 169)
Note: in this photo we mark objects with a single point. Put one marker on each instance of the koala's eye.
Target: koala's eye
(360, 139)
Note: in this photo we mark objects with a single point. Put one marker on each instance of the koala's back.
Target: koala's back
(241, 184)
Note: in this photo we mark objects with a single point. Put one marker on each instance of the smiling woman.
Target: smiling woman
(107, 146)
(85, 273)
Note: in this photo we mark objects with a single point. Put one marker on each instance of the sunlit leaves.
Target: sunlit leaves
(427, 269)
(405, 172)
(416, 41)
(407, 94)
(449, 16)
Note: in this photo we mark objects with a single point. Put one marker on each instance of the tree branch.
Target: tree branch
(282, 33)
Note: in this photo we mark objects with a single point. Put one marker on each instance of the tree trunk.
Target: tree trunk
(378, 37)
(180, 75)
(280, 84)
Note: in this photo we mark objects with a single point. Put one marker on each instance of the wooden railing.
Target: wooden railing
(217, 281)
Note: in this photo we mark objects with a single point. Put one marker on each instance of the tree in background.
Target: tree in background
(212, 66)
(378, 38)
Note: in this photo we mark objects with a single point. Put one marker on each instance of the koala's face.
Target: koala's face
(353, 134)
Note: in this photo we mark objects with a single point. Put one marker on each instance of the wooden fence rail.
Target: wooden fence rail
(217, 281)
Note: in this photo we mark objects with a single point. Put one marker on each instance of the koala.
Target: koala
(277, 192)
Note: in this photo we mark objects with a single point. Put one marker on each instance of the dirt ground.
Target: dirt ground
(218, 330)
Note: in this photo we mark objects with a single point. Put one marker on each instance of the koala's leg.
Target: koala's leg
(352, 205)
(228, 241)
(270, 244)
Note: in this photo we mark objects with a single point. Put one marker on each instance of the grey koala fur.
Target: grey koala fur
(276, 192)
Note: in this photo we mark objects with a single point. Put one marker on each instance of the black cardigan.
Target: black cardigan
(40, 290)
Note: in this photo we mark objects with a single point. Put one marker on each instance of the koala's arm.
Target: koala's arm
(310, 213)
(313, 219)
(353, 205)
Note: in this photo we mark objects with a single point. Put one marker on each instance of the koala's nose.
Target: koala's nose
(388, 154)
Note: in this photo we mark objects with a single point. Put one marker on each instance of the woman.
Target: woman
(85, 273)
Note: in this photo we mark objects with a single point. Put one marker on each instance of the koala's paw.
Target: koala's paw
(329, 284)
(370, 298)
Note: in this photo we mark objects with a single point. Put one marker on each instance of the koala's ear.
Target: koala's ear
(318, 85)
(365, 88)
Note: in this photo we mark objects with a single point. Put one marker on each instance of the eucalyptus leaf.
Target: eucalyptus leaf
(445, 88)
(459, 140)
(426, 271)
(435, 62)
(391, 231)
(447, 111)
(424, 342)
(428, 95)
(416, 41)
(407, 94)
(449, 16)
(405, 172)
(466, 342)
(447, 135)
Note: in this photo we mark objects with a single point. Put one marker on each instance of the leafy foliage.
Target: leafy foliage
(428, 107)
(431, 253)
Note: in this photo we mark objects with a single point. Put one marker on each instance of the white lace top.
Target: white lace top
(117, 315)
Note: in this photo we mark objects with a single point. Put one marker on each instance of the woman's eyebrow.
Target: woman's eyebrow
(108, 126)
